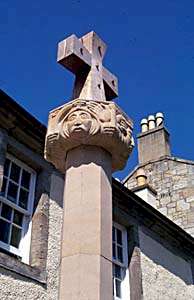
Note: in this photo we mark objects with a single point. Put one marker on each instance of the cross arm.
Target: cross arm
(110, 84)
(73, 55)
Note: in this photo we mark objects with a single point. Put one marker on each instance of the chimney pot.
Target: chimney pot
(151, 122)
(144, 125)
(159, 119)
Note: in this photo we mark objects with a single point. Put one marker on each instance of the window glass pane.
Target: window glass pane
(117, 271)
(12, 192)
(120, 254)
(6, 211)
(118, 288)
(18, 218)
(4, 231)
(23, 200)
(113, 234)
(15, 236)
(114, 250)
(15, 172)
(119, 236)
(6, 167)
(3, 187)
(26, 179)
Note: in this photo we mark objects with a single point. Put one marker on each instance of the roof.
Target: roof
(165, 157)
(21, 124)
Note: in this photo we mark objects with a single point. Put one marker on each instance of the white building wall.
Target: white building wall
(165, 275)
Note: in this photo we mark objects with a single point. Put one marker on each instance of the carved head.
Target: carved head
(79, 121)
(123, 125)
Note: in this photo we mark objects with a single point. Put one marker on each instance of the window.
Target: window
(120, 261)
(16, 203)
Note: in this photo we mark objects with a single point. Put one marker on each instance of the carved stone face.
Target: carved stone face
(123, 126)
(79, 122)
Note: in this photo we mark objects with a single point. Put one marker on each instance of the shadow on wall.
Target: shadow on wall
(170, 259)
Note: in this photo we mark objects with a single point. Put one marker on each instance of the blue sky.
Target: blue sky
(150, 49)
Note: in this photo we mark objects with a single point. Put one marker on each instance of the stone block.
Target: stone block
(182, 170)
(191, 169)
(182, 205)
(171, 205)
(157, 204)
(190, 217)
(163, 210)
(171, 211)
(180, 185)
(190, 199)
(164, 201)
(179, 214)
(86, 277)
(178, 221)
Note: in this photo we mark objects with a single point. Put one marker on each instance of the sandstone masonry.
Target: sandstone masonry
(172, 178)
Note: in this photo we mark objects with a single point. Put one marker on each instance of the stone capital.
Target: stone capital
(87, 122)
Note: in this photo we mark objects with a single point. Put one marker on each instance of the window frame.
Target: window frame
(125, 290)
(23, 251)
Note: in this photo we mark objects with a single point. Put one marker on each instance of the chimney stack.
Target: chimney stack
(153, 141)
(143, 189)
(141, 177)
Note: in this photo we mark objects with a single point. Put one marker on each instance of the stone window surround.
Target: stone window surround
(9, 145)
(24, 247)
(134, 284)
(123, 265)
(14, 265)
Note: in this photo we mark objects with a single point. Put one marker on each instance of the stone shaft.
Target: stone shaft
(86, 257)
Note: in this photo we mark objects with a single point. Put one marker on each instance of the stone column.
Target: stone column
(86, 257)
(87, 139)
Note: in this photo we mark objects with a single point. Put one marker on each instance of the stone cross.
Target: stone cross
(83, 57)
(87, 138)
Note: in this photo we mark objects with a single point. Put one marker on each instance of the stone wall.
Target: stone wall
(16, 287)
(38, 280)
(173, 180)
(22, 136)
(165, 274)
